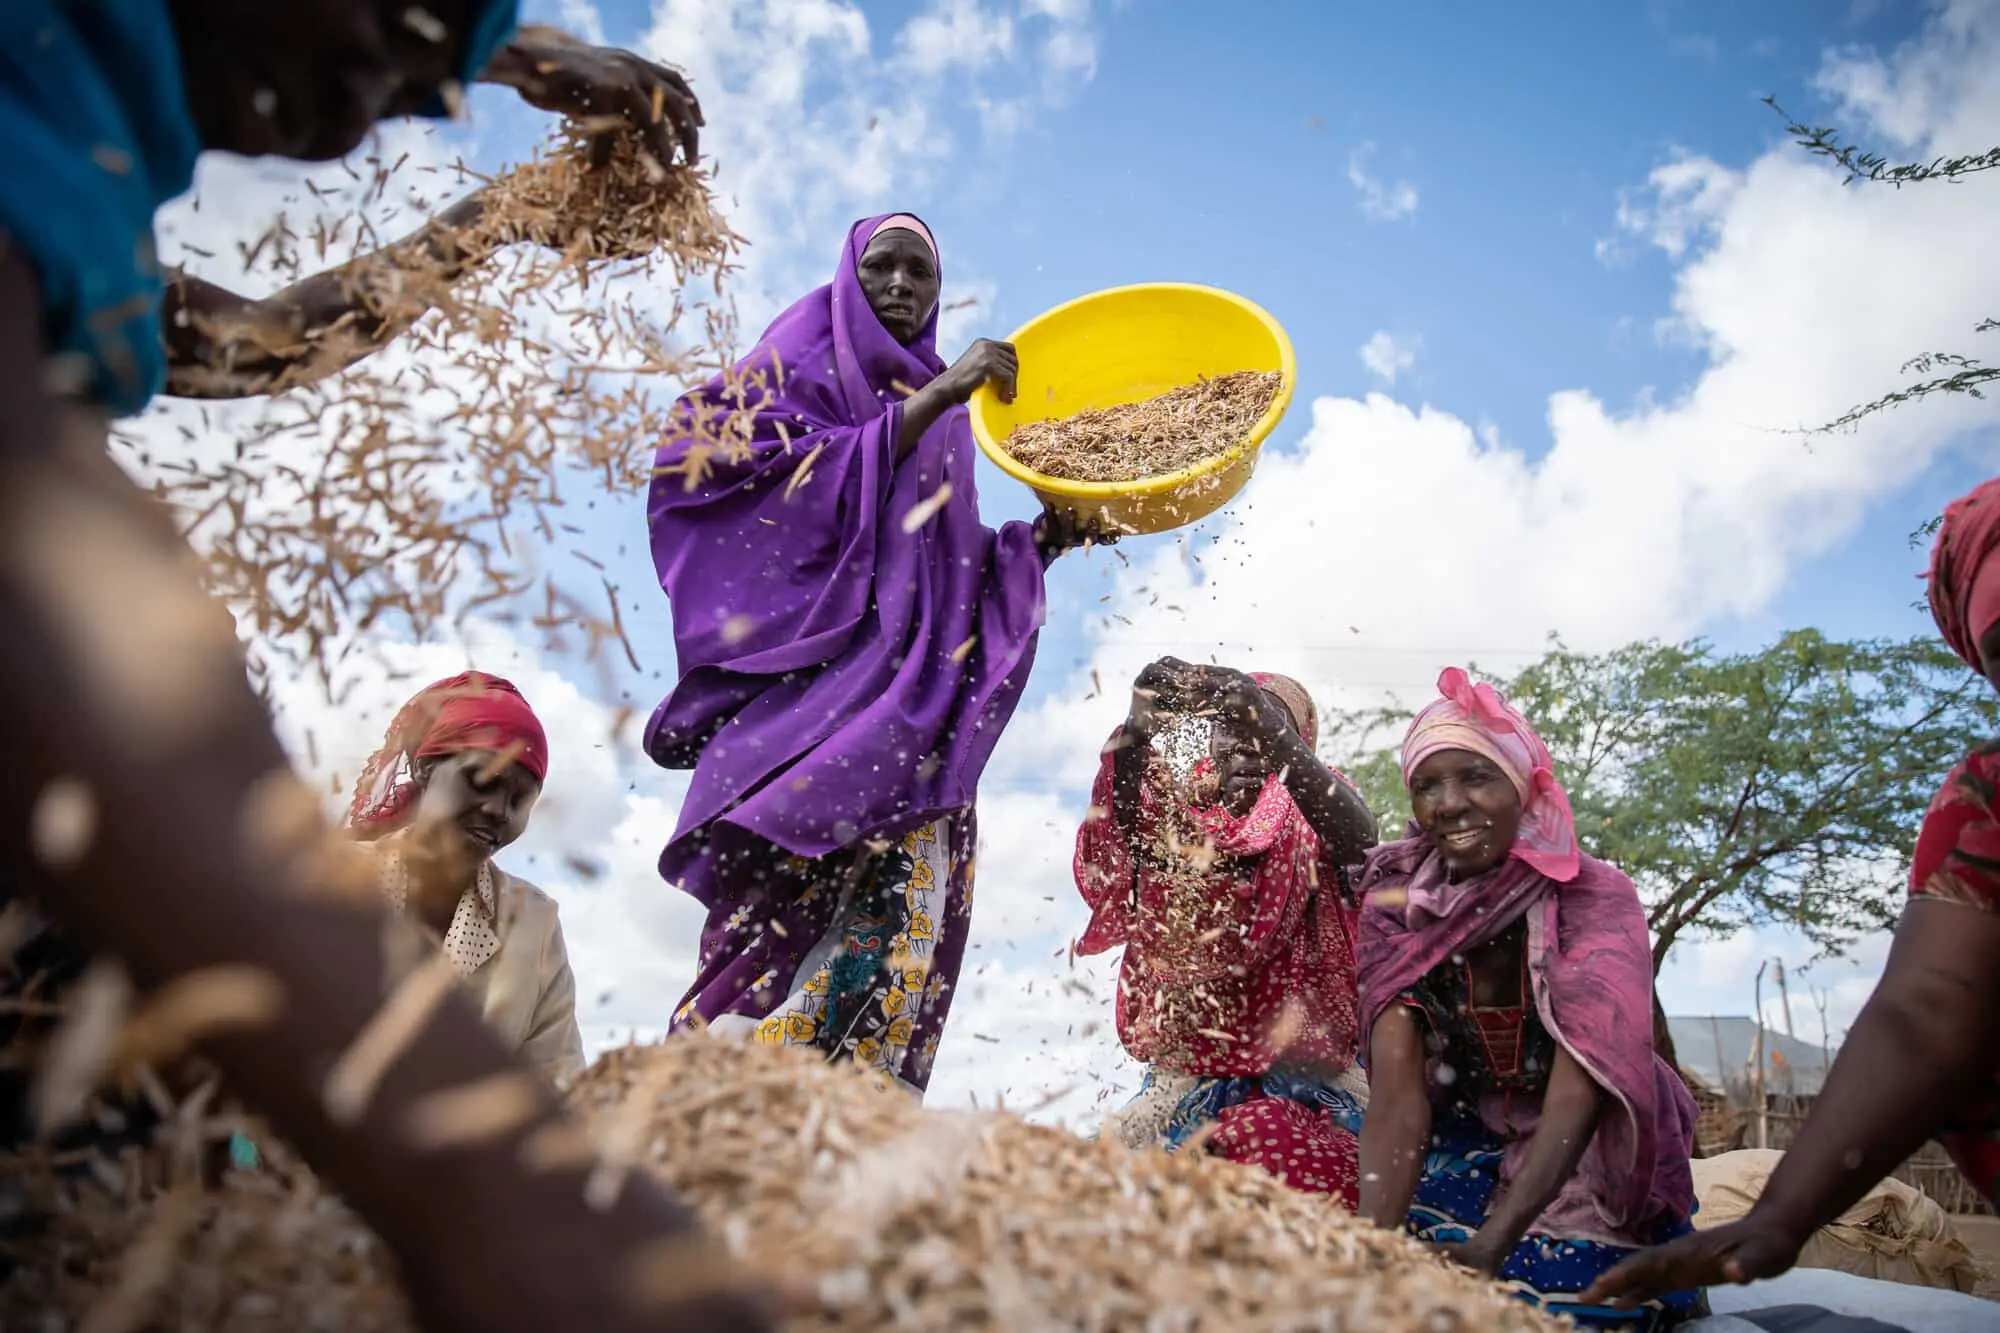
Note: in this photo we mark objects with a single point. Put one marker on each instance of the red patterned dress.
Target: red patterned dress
(1237, 988)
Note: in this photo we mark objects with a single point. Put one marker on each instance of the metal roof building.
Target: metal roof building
(1721, 1051)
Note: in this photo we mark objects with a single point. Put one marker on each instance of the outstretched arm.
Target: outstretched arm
(224, 345)
(1571, 1107)
(1335, 810)
(1925, 1042)
(147, 801)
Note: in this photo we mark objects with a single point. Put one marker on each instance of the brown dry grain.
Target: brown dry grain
(416, 489)
(950, 1220)
(1150, 438)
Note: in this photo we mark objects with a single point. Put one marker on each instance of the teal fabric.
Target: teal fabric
(95, 135)
(490, 31)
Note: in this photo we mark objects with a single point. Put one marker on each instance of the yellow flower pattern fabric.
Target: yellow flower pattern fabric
(876, 1021)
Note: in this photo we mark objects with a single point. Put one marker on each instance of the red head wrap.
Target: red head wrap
(470, 711)
(1965, 576)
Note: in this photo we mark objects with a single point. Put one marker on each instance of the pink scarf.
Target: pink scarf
(1475, 717)
(1965, 576)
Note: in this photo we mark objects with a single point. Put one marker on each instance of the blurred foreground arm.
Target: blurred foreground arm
(181, 841)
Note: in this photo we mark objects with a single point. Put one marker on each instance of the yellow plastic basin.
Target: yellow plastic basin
(1127, 344)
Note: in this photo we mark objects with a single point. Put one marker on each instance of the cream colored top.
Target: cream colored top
(506, 946)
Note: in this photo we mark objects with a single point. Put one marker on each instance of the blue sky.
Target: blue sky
(1597, 282)
(1221, 152)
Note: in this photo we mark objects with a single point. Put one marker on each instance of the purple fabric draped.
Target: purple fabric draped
(1590, 968)
(841, 678)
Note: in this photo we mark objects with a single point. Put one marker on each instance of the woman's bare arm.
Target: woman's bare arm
(1395, 1133)
(1571, 1107)
(1335, 810)
(223, 345)
(1927, 1041)
(151, 809)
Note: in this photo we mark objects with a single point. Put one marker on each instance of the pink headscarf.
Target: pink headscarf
(906, 222)
(1475, 718)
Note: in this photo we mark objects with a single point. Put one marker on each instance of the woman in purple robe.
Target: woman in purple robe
(851, 640)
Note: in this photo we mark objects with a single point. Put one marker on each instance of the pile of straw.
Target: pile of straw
(899, 1218)
(261, 1254)
(1150, 438)
(427, 483)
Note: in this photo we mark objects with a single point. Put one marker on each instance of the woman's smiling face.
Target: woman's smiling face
(1468, 809)
(899, 276)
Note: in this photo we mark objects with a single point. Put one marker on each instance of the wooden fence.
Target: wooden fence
(1930, 1170)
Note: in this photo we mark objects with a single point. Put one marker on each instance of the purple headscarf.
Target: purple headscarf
(1590, 968)
(841, 677)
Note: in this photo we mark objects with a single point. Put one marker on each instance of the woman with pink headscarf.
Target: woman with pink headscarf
(1922, 1060)
(1518, 1116)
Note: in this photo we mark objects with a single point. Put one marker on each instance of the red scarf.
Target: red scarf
(470, 711)
(1964, 577)
(1231, 972)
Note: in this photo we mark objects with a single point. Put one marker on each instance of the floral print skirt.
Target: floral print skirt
(854, 954)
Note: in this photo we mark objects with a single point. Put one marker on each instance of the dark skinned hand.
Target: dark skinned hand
(1741, 1251)
(1157, 689)
(1059, 530)
(1481, 1259)
(986, 361)
(595, 84)
(1238, 701)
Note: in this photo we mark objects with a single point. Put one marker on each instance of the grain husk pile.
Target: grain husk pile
(1149, 438)
(900, 1218)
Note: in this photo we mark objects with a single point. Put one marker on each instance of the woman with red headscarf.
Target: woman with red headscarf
(452, 784)
(1922, 1060)
(1228, 892)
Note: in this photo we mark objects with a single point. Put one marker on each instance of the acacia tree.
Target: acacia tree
(1935, 372)
(1781, 787)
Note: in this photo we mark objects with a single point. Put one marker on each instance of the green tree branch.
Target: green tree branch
(1941, 372)
(1783, 786)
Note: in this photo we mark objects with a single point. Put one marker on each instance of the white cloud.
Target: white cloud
(814, 119)
(580, 18)
(1381, 201)
(967, 313)
(1683, 198)
(1037, 1034)
(1387, 356)
(1719, 976)
(959, 35)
